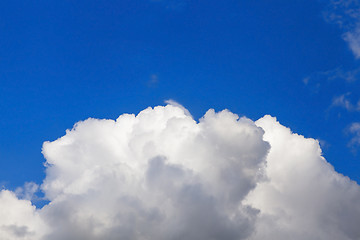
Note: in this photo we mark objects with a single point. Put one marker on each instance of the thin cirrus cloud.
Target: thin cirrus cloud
(346, 14)
(163, 175)
(354, 129)
(344, 102)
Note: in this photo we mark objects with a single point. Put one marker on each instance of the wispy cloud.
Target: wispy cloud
(153, 81)
(353, 39)
(176, 104)
(344, 102)
(331, 75)
(27, 191)
(346, 14)
(354, 130)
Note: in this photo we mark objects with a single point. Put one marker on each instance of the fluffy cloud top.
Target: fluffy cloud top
(162, 175)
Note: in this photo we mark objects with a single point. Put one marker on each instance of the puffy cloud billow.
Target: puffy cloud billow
(161, 175)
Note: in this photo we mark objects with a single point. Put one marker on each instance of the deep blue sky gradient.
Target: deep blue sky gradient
(65, 61)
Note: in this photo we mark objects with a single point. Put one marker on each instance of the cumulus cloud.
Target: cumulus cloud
(163, 175)
(304, 198)
(176, 104)
(19, 219)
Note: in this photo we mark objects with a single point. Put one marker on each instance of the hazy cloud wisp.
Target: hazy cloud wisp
(346, 14)
(344, 102)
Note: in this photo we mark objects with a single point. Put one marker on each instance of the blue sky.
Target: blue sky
(65, 61)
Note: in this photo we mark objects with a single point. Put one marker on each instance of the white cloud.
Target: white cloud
(19, 219)
(28, 191)
(304, 197)
(158, 175)
(176, 104)
(161, 175)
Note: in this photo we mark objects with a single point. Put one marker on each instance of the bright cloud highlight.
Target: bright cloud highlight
(162, 175)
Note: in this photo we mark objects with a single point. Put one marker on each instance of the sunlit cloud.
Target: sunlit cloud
(162, 175)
